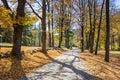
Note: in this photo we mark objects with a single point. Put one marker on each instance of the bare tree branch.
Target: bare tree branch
(34, 11)
(39, 3)
(5, 3)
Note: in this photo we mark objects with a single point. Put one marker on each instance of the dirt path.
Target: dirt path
(67, 66)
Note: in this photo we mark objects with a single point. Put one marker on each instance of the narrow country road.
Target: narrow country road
(68, 66)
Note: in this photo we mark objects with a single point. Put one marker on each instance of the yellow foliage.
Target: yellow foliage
(14, 1)
(5, 18)
(27, 20)
(68, 2)
(49, 16)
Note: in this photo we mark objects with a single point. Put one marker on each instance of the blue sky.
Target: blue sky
(118, 3)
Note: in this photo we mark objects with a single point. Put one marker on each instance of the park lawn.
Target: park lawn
(6, 44)
(12, 69)
(98, 67)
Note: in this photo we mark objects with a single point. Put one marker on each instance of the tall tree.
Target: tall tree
(82, 8)
(43, 20)
(44, 26)
(90, 6)
(68, 20)
(99, 28)
(62, 8)
(17, 36)
(94, 26)
(49, 20)
(52, 23)
(107, 42)
(67, 30)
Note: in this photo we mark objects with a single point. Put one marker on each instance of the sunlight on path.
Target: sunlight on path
(68, 66)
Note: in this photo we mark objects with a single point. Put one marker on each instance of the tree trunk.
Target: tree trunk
(119, 42)
(52, 34)
(87, 40)
(90, 19)
(107, 32)
(93, 32)
(82, 33)
(61, 34)
(61, 24)
(67, 39)
(82, 40)
(49, 35)
(112, 41)
(44, 26)
(52, 26)
(82, 24)
(49, 29)
(39, 34)
(99, 28)
(17, 38)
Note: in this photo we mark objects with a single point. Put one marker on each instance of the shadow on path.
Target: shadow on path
(83, 74)
(67, 66)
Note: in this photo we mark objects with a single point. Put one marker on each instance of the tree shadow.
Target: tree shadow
(15, 72)
(84, 75)
(104, 66)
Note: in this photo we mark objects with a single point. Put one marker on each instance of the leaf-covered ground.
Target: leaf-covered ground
(101, 69)
(12, 69)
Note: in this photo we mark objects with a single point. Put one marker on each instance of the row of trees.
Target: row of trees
(20, 17)
(59, 18)
(93, 18)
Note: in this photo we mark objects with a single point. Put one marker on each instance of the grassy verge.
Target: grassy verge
(6, 44)
(111, 52)
(12, 69)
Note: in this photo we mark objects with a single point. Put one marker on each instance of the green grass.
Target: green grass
(6, 44)
(10, 44)
(115, 52)
(112, 52)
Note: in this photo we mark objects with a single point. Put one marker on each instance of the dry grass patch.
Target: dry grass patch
(104, 70)
(12, 69)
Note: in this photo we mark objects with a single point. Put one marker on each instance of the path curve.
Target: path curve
(67, 66)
